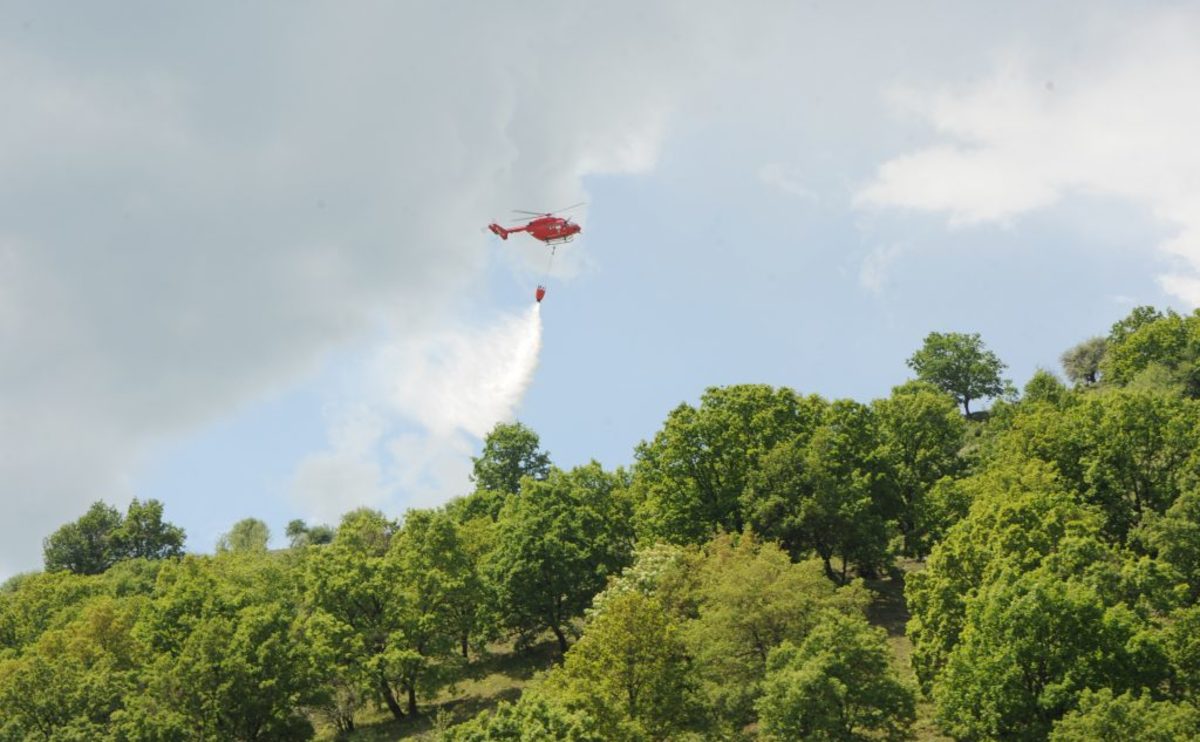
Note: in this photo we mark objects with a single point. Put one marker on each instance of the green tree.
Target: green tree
(1181, 639)
(1129, 453)
(1175, 538)
(1082, 362)
(228, 660)
(555, 545)
(832, 492)
(1031, 644)
(102, 537)
(1020, 513)
(300, 534)
(749, 598)
(959, 364)
(386, 609)
(352, 617)
(1148, 342)
(630, 672)
(1044, 386)
(837, 685)
(248, 534)
(920, 434)
(41, 601)
(72, 681)
(533, 718)
(1137, 318)
(86, 546)
(435, 600)
(510, 453)
(143, 534)
(689, 479)
(1129, 716)
(238, 675)
(1141, 454)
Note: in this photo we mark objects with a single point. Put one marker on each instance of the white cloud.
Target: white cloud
(876, 267)
(777, 175)
(1118, 120)
(188, 225)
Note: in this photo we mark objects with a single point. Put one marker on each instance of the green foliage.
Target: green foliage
(1019, 514)
(1031, 644)
(510, 453)
(351, 620)
(238, 674)
(300, 534)
(1082, 362)
(40, 602)
(837, 685)
(86, 546)
(437, 564)
(72, 681)
(750, 598)
(689, 479)
(1129, 716)
(630, 672)
(102, 537)
(960, 365)
(248, 534)
(1044, 386)
(534, 718)
(1061, 595)
(920, 434)
(832, 493)
(1149, 342)
(555, 545)
(144, 535)
(1137, 318)
(1175, 538)
(661, 570)
(1181, 640)
(1129, 453)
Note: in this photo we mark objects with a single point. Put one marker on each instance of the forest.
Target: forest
(772, 565)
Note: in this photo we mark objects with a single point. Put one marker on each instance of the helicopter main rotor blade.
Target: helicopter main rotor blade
(568, 208)
(549, 213)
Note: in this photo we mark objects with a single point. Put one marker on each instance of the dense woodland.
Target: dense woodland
(722, 587)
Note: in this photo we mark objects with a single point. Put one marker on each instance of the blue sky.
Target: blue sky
(228, 239)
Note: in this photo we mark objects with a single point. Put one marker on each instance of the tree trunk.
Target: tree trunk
(966, 407)
(829, 569)
(412, 699)
(390, 699)
(464, 647)
(562, 639)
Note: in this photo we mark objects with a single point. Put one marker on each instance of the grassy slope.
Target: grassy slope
(500, 676)
(503, 673)
(890, 612)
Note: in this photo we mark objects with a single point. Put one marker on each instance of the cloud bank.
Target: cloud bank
(199, 205)
(1119, 120)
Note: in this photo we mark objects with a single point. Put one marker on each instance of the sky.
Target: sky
(243, 268)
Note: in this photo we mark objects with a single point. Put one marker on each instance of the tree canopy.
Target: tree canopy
(959, 364)
(743, 580)
(102, 537)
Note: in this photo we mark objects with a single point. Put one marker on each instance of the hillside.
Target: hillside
(772, 566)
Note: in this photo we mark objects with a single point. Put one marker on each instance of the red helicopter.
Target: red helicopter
(547, 227)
